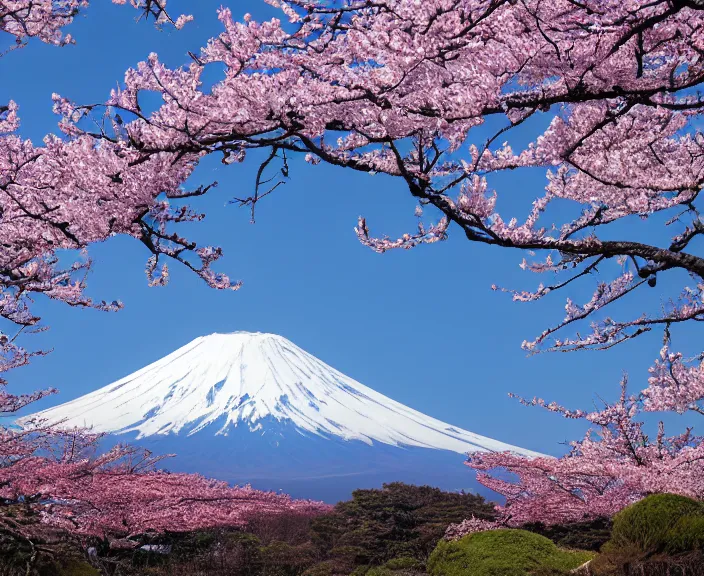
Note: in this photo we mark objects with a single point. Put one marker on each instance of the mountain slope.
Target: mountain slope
(224, 383)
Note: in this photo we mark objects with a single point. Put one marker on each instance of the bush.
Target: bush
(503, 552)
(686, 535)
(647, 524)
(661, 534)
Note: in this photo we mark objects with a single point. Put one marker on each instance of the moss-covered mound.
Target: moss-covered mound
(661, 534)
(659, 523)
(503, 553)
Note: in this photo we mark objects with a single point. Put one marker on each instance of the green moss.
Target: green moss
(646, 525)
(502, 553)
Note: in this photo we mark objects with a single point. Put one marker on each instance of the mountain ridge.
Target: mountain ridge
(240, 378)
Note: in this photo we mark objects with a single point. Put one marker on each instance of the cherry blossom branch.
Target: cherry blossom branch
(613, 466)
(45, 19)
(377, 88)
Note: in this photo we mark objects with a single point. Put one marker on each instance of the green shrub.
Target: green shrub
(503, 552)
(660, 534)
(686, 535)
(646, 524)
(404, 563)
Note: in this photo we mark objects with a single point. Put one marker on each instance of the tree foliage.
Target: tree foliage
(50, 202)
(615, 465)
(438, 95)
(401, 88)
(376, 526)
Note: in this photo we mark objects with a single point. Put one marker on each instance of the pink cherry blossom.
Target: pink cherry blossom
(401, 88)
(438, 95)
(45, 19)
(65, 195)
(616, 463)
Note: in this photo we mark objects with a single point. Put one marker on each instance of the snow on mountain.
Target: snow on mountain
(247, 380)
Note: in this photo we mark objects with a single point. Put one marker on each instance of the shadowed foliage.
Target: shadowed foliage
(579, 535)
(399, 520)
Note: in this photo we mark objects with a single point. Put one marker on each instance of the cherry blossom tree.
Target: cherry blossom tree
(616, 464)
(59, 198)
(119, 494)
(58, 478)
(436, 94)
(45, 19)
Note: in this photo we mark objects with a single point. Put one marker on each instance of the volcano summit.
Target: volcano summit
(253, 406)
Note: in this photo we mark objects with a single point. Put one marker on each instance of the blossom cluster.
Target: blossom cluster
(615, 464)
(409, 90)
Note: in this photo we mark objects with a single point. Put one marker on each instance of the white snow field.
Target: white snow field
(242, 379)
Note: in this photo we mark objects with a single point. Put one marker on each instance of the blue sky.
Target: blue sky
(421, 326)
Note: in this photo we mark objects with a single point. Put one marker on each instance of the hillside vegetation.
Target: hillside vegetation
(394, 531)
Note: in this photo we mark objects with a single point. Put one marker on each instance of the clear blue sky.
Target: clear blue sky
(421, 326)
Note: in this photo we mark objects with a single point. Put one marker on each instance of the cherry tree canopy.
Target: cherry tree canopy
(616, 464)
(118, 494)
(45, 19)
(65, 195)
(401, 87)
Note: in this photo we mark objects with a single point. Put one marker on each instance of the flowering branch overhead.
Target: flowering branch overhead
(411, 90)
(63, 196)
(45, 19)
(401, 89)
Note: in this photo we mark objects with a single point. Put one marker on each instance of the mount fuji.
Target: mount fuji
(254, 407)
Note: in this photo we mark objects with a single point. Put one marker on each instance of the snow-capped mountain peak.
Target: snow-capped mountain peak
(223, 381)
